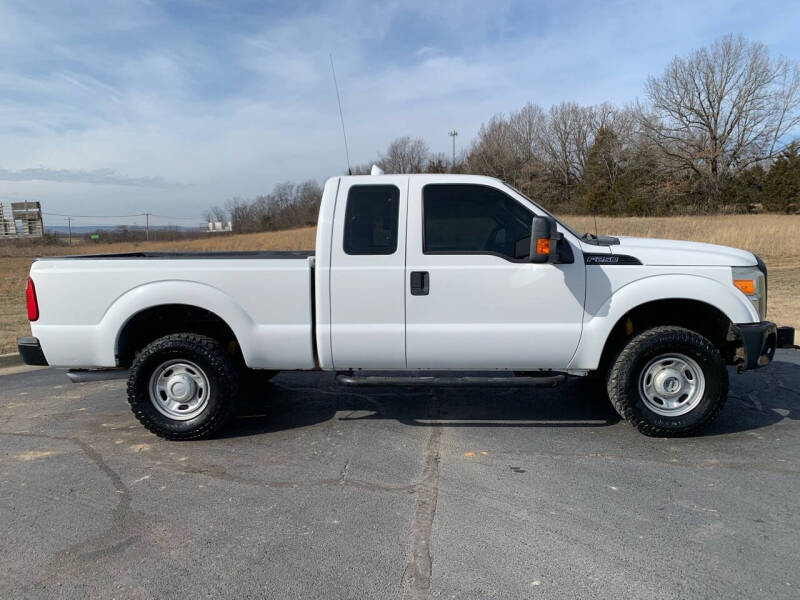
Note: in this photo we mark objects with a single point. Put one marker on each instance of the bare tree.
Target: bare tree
(621, 140)
(241, 215)
(308, 196)
(491, 152)
(566, 139)
(439, 163)
(526, 127)
(405, 155)
(216, 214)
(723, 108)
(509, 148)
(288, 205)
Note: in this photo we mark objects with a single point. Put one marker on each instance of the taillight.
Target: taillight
(30, 301)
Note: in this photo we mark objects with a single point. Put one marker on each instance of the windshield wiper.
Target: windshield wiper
(600, 240)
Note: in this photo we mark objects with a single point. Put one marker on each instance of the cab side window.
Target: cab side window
(370, 221)
(474, 219)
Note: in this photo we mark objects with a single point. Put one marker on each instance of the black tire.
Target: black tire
(627, 393)
(217, 366)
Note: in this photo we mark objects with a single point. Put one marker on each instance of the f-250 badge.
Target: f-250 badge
(601, 259)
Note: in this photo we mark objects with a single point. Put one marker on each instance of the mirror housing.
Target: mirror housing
(544, 240)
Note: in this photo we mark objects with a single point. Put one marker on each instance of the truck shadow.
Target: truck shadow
(300, 400)
(759, 399)
(756, 400)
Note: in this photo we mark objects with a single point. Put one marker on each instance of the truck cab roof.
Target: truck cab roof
(439, 177)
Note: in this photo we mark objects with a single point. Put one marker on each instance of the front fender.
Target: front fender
(603, 314)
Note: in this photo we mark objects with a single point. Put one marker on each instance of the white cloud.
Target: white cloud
(97, 177)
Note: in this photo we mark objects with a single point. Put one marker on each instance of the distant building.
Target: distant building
(25, 220)
(219, 226)
(7, 228)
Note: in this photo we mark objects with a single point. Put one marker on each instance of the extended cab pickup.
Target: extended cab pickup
(454, 273)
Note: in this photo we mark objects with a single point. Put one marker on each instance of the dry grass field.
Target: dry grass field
(776, 238)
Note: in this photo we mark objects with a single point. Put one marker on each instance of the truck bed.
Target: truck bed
(265, 298)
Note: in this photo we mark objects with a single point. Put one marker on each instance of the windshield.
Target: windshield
(547, 212)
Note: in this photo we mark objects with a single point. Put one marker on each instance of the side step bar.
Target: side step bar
(550, 380)
(85, 375)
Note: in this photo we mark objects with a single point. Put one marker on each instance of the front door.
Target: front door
(472, 299)
(367, 284)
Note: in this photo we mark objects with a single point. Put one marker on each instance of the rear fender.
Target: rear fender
(162, 293)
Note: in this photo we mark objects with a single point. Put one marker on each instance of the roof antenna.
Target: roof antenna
(341, 117)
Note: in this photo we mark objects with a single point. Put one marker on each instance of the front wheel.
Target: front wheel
(668, 382)
(183, 386)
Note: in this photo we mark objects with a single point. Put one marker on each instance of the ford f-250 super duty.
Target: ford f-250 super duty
(412, 273)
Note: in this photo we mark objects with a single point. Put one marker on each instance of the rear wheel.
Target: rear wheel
(183, 386)
(668, 382)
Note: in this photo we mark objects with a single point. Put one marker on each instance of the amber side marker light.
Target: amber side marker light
(543, 246)
(31, 302)
(747, 286)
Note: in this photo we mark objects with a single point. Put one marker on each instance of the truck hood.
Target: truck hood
(678, 253)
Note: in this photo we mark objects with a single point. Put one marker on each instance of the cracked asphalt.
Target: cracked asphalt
(319, 492)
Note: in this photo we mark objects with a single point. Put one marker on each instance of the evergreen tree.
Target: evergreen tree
(782, 183)
(601, 175)
(743, 193)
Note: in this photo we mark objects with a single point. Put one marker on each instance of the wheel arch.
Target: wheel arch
(694, 315)
(691, 299)
(165, 307)
(157, 321)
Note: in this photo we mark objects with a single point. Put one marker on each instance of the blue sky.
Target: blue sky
(168, 107)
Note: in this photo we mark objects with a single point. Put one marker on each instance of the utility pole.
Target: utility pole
(147, 226)
(453, 133)
(69, 227)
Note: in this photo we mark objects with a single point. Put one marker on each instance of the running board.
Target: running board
(85, 375)
(551, 380)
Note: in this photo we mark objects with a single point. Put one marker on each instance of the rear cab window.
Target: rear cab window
(371, 219)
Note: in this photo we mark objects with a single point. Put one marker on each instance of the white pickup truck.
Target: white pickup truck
(412, 274)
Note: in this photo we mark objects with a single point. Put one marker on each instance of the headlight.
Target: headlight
(752, 283)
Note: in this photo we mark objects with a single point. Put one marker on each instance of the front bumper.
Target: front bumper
(31, 351)
(757, 343)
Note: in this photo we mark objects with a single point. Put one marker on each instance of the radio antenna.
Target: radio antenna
(341, 117)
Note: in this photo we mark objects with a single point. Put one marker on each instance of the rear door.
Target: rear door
(473, 299)
(367, 277)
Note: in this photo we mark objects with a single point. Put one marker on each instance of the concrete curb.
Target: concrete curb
(10, 360)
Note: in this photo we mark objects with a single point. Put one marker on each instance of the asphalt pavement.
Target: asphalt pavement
(317, 491)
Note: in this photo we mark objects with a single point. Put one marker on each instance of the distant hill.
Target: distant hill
(86, 229)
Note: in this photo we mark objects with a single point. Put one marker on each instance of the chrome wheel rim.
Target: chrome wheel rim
(179, 389)
(672, 384)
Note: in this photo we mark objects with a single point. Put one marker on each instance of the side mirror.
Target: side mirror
(544, 240)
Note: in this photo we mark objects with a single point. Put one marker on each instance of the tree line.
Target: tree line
(713, 134)
(288, 205)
